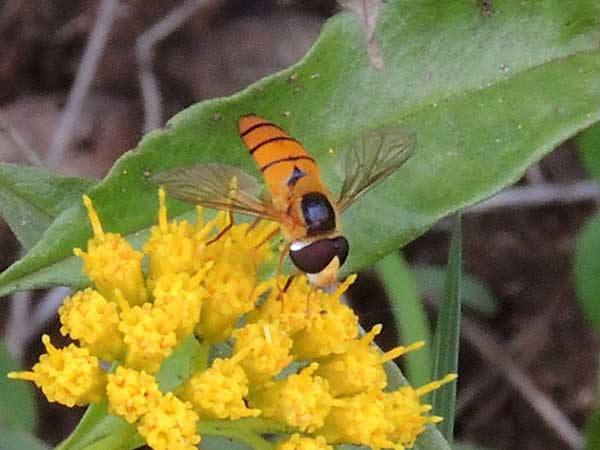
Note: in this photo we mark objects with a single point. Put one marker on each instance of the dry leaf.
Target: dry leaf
(366, 11)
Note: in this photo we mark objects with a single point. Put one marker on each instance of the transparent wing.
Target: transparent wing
(371, 158)
(218, 186)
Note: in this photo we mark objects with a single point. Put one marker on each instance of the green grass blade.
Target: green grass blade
(409, 315)
(593, 431)
(475, 294)
(588, 142)
(448, 333)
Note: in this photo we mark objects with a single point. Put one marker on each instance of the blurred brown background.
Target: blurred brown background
(521, 250)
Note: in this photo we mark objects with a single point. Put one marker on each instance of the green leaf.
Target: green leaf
(589, 147)
(17, 406)
(431, 439)
(98, 430)
(447, 334)
(586, 268)
(187, 359)
(11, 440)
(475, 294)
(409, 316)
(487, 97)
(220, 443)
(31, 198)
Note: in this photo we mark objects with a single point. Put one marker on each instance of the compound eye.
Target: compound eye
(341, 248)
(314, 257)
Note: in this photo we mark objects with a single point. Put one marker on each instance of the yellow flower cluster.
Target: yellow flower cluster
(294, 357)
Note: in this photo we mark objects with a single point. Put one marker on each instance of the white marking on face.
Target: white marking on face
(297, 245)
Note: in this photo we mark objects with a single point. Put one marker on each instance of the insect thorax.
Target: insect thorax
(318, 214)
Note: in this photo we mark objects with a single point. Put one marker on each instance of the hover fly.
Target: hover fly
(296, 197)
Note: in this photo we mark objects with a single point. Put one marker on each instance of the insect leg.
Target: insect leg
(231, 222)
(271, 235)
(288, 282)
(307, 311)
(284, 252)
(253, 224)
(282, 290)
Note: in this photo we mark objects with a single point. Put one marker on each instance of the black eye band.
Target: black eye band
(342, 247)
(315, 257)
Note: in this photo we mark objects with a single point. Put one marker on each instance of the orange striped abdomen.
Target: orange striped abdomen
(277, 155)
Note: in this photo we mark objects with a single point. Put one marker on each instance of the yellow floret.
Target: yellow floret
(331, 328)
(302, 400)
(360, 368)
(89, 318)
(204, 278)
(406, 415)
(232, 292)
(111, 263)
(251, 241)
(266, 348)
(70, 376)
(148, 335)
(219, 391)
(172, 247)
(131, 393)
(360, 420)
(171, 425)
(180, 297)
(292, 308)
(298, 442)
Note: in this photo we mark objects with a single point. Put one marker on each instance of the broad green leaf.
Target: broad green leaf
(31, 198)
(487, 96)
(409, 316)
(17, 406)
(12, 439)
(447, 333)
(586, 268)
(475, 294)
(589, 147)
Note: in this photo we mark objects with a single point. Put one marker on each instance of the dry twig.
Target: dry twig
(144, 49)
(27, 320)
(91, 57)
(526, 345)
(533, 196)
(539, 195)
(19, 142)
(534, 175)
(493, 352)
(16, 326)
(367, 11)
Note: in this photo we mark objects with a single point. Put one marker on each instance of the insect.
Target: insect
(296, 196)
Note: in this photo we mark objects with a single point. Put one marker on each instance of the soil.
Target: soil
(523, 255)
